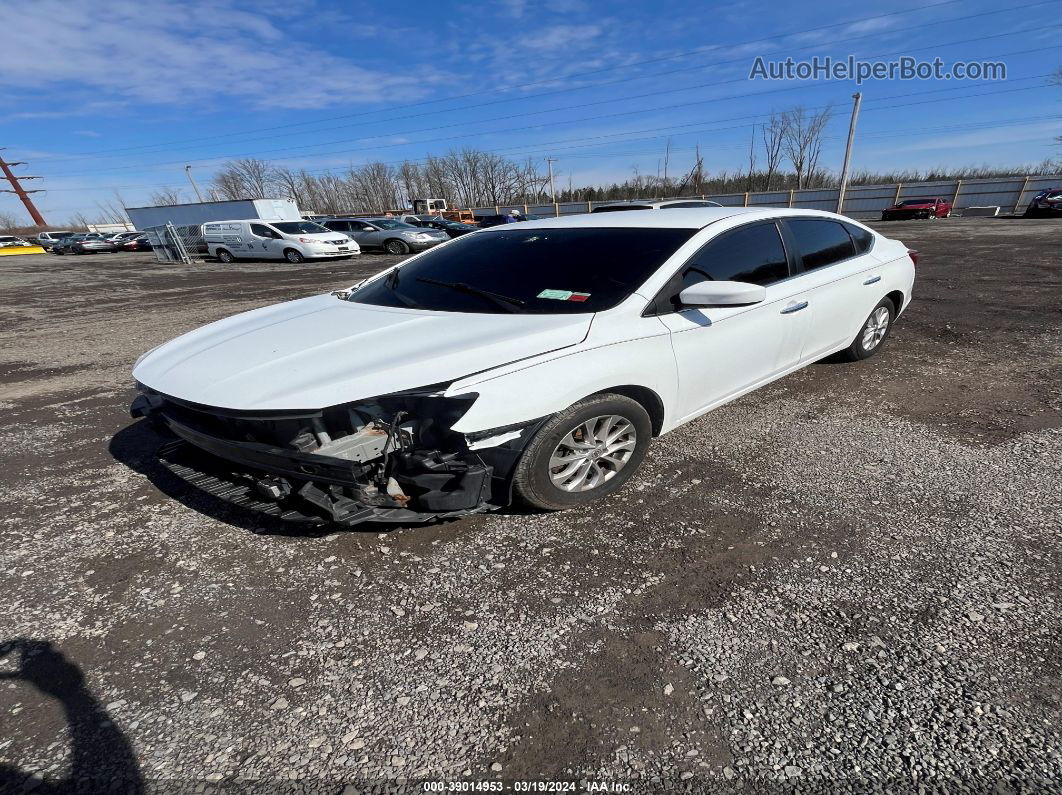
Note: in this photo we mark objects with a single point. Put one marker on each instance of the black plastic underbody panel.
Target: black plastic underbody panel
(216, 477)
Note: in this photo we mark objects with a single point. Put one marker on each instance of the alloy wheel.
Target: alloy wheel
(876, 327)
(592, 453)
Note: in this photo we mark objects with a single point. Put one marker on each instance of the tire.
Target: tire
(293, 256)
(396, 247)
(867, 342)
(224, 255)
(540, 486)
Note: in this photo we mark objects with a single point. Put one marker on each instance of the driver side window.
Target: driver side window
(262, 231)
(752, 254)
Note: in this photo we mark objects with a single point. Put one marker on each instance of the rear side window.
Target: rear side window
(862, 238)
(821, 242)
(262, 231)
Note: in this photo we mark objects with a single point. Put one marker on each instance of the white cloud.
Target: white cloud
(188, 53)
(87, 133)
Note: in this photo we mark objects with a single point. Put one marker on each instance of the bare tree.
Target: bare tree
(247, 178)
(166, 197)
(802, 140)
(773, 133)
(752, 160)
(8, 221)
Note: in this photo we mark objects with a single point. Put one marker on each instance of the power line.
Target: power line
(522, 128)
(655, 92)
(698, 51)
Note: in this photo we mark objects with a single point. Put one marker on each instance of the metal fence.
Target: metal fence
(1010, 194)
(177, 243)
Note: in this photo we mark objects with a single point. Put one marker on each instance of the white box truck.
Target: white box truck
(199, 213)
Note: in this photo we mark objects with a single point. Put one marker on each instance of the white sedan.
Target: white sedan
(533, 360)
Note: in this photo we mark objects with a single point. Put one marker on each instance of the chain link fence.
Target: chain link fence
(177, 243)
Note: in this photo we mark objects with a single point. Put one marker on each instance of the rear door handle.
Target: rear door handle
(795, 308)
(873, 280)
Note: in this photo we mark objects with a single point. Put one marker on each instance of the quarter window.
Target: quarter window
(862, 238)
(821, 243)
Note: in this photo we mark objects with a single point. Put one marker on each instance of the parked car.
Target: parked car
(387, 234)
(139, 243)
(663, 204)
(83, 243)
(917, 208)
(10, 241)
(535, 360)
(487, 221)
(294, 241)
(48, 239)
(1045, 203)
(121, 237)
(451, 228)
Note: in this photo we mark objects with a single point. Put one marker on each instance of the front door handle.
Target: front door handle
(795, 308)
(873, 280)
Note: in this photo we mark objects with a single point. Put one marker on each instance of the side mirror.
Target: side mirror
(711, 293)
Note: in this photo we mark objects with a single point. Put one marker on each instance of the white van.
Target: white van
(295, 241)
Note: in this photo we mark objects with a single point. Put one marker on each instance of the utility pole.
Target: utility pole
(552, 191)
(188, 172)
(858, 97)
(21, 192)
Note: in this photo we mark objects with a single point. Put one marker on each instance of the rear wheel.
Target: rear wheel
(873, 333)
(396, 247)
(293, 256)
(583, 453)
(225, 255)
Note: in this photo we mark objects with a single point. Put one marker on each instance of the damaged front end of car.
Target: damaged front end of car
(390, 459)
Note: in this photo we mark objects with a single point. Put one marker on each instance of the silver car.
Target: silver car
(387, 234)
(665, 204)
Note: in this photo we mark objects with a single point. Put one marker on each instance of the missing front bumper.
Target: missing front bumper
(310, 502)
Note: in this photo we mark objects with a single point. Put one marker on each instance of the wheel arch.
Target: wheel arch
(896, 296)
(643, 395)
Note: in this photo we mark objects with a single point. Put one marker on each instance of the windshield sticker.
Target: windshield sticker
(563, 295)
(556, 295)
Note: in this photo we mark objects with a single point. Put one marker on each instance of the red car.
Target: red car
(917, 208)
(138, 243)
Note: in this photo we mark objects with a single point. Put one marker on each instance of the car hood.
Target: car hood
(321, 351)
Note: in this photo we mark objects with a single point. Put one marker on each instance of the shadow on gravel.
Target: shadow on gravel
(136, 445)
(101, 757)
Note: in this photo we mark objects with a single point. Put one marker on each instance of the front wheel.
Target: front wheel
(396, 247)
(873, 333)
(293, 256)
(583, 453)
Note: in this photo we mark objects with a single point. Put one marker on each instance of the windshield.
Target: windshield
(390, 223)
(546, 271)
(299, 227)
(916, 201)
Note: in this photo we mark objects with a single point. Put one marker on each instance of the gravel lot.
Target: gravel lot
(848, 580)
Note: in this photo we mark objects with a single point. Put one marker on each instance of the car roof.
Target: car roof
(681, 218)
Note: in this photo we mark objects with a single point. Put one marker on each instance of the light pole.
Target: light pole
(858, 97)
(188, 172)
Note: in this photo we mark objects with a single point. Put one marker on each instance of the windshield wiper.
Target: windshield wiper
(504, 301)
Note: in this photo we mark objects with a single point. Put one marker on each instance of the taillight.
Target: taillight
(913, 255)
